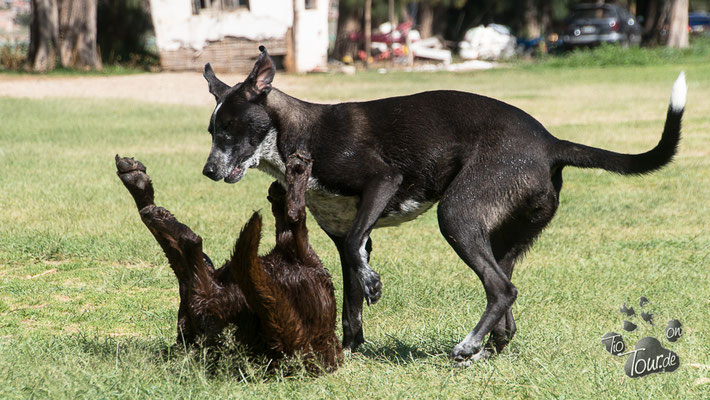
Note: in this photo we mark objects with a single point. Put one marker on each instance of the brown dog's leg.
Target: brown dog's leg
(265, 297)
(182, 246)
(277, 198)
(298, 170)
(289, 208)
(164, 227)
(134, 178)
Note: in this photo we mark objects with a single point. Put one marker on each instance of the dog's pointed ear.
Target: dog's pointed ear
(259, 80)
(216, 87)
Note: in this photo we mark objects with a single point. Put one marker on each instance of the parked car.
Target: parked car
(699, 22)
(592, 24)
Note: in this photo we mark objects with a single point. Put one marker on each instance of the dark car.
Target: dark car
(699, 22)
(591, 24)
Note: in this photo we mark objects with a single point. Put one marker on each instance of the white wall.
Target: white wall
(311, 36)
(176, 27)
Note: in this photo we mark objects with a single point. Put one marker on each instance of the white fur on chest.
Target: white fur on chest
(334, 213)
(266, 158)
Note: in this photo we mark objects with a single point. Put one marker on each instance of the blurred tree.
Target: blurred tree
(44, 35)
(123, 29)
(77, 34)
(350, 13)
(368, 31)
(434, 10)
(66, 28)
(678, 25)
(653, 14)
(532, 18)
(664, 21)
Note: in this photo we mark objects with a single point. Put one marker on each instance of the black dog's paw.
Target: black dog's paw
(132, 173)
(465, 354)
(371, 285)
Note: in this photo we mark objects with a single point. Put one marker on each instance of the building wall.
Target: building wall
(227, 55)
(229, 39)
(10, 29)
(311, 36)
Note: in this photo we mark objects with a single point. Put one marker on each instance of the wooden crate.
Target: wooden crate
(227, 55)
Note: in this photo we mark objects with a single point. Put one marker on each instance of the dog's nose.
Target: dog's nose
(209, 171)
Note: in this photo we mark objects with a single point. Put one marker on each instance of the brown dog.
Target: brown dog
(282, 303)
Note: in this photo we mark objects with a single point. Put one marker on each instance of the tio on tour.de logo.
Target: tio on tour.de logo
(648, 356)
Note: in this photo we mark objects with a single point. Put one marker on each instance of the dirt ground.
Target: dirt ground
(187, 88)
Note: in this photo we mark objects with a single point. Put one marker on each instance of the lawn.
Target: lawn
(88, 303)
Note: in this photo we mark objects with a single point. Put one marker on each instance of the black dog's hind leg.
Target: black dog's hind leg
(489, 228)
(511, 240)
(503, 332)
(466, 219)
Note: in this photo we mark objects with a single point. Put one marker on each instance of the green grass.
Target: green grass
(615, 55)
(106, 70)
(94, 325)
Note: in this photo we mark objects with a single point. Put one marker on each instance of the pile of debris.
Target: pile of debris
(492, 42)
(402, 44)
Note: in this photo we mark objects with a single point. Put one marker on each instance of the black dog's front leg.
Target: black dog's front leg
(352, 301)
(354, 256)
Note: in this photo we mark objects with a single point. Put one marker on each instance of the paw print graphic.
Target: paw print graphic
(648, 355)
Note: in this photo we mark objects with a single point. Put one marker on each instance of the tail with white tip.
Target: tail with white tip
(578, 155)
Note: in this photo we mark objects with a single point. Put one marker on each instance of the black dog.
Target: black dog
(495, 171)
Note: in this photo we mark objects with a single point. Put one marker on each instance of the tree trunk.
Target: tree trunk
(546, 17)
(77, 27)
(44, 35)
(391, 14)
(650, 10)
(426, 19)
(404, 12)
(348, 22)
(678, 31)
(655, 14)
(290, 59)
(393, 21)
(532, 20)
(368, 31)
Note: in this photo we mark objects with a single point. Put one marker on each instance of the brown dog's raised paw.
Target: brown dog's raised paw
(132, 173)
(125, 164)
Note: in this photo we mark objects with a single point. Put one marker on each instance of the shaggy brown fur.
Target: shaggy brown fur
(282, 304)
